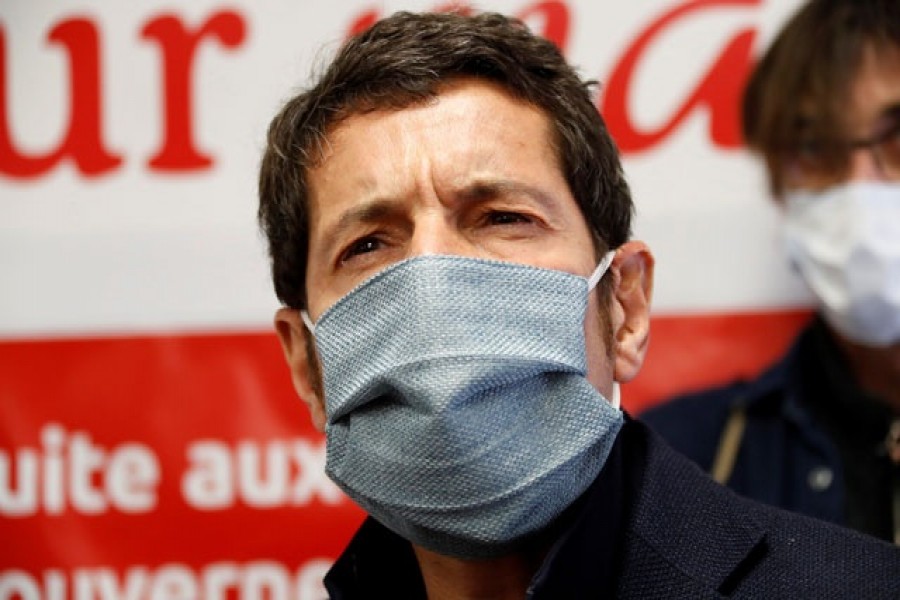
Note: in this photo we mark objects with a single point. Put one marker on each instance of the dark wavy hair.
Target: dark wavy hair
(405, 59)
(800, 88)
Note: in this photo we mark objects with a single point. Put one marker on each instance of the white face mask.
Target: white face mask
(845, 243)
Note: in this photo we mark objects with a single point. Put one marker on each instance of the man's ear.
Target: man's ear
(633, 266)
(296, 342)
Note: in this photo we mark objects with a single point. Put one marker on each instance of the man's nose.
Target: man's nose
(435, 234)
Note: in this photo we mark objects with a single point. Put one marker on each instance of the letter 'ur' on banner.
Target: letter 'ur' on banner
(83, 141)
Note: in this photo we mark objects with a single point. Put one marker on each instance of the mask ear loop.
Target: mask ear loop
(593, 280)
(308, 322)
(601, 269)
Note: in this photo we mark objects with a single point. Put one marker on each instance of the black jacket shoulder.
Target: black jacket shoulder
(690, 537)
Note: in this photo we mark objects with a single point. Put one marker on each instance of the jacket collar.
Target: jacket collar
(813, 367)
(685, 523)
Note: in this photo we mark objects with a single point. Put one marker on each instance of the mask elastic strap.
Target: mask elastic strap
(601, 269)
(308, 322)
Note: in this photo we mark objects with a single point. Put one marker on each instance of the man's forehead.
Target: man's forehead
(351, 140)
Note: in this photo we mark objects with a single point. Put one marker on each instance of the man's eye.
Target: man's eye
(360, 246)
(501, 217)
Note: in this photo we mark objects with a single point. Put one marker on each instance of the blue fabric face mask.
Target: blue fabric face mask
(458, 412)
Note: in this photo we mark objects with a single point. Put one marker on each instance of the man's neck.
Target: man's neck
(877, 370)
(498, 578)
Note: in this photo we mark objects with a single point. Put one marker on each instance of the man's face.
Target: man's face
(470, 173)
(873, 113)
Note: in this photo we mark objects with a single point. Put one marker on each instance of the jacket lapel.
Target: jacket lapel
(688, 537)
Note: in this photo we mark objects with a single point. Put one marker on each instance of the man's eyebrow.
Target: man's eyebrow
(368, 212)
(488, 188)
(381, 208)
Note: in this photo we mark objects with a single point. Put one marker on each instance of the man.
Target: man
(819, 432)
(449, 231)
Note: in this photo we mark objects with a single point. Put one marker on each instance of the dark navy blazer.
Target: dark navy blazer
(813, 442)
(781, 450)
